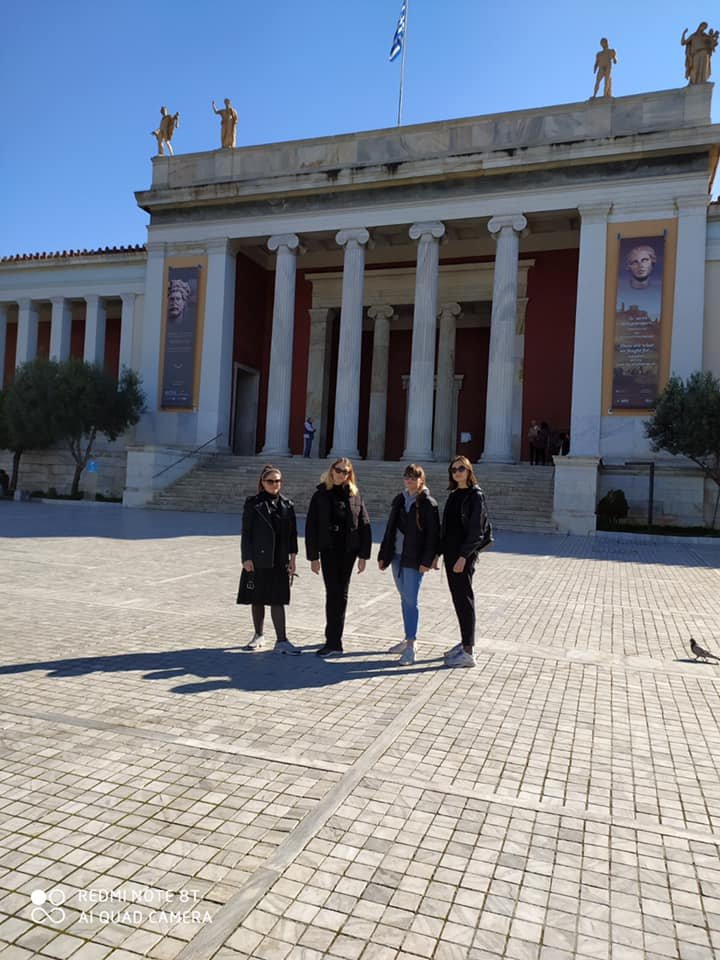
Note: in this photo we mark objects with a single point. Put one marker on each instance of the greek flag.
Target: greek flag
(399, 37)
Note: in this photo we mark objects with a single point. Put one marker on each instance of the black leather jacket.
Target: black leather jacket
(477, 529)
(420, 545)
(318, 533)
(259, 533)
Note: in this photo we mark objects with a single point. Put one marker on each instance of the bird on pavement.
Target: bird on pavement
(701, 654)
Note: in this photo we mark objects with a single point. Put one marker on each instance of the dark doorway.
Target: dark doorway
(246, 383)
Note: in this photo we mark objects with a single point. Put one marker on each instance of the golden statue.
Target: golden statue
(164, 133)
(604, 60)
(228, 123)
(699, 48)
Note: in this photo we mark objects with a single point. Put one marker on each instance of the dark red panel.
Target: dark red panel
(472, 347)
(301, 348)
(43, 340)
(112, 347)
(10, 351)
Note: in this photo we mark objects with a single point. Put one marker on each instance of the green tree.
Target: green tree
(89, 402)
(686, 423)
(28, 415)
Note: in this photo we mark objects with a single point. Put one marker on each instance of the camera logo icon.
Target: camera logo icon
(48, 906)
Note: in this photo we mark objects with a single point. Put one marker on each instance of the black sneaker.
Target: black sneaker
(327, 651)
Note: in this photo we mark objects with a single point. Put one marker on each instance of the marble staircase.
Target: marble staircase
(519, 496)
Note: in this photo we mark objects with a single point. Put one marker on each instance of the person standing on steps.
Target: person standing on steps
(308, 434)
(337, 534)
(410, 547)
(269, 549)
(466, 531)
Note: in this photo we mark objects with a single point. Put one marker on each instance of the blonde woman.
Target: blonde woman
(337, 534)
(410, 546)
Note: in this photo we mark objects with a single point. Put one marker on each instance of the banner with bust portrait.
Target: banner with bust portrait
(638, 310)
(182, 310)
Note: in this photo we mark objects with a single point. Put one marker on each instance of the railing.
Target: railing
(185, 456)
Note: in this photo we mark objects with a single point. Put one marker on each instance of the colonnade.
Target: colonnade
(28, 322)
(430, 430)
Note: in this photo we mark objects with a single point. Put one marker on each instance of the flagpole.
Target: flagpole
(402, 63)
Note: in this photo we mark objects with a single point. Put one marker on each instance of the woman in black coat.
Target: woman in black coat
(466, 530)
(269, 548)
(337, 533)
(410, 546)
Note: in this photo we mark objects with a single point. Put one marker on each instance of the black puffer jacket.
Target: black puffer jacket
(259, 533)
(318, 532)
(421, 544)
(476, 526)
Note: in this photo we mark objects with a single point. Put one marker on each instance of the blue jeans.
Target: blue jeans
(408, 581)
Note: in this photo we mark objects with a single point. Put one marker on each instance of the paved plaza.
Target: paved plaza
(165, 795)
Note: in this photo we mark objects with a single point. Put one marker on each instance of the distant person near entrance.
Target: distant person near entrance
(308, 434)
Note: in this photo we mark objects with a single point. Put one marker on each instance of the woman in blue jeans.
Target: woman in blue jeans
(410, 546)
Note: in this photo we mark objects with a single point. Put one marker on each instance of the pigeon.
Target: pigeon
(701, 654)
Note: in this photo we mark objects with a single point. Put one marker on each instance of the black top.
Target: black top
(466, 527)
(337, 520)
(421, 528)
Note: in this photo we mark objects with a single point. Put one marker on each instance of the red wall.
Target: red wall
(549, 341)
(10, 350)
(301, 346)
(43, 339)
(472, 348)
(253, 327)
(111, 360)
(398, 365)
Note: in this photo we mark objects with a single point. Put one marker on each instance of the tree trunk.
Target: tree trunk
(15, 470)
(76, 479)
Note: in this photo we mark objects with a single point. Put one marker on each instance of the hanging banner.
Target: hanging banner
(182, 333)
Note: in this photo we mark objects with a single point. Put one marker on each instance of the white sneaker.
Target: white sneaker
(408, 655)
(284, 646)
(453, 651)
(257, 641)
(462, 659)
(398, 647)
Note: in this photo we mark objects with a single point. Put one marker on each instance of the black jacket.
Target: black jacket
(420, 546)
(259, 533)
(477, 529)
(318, 533)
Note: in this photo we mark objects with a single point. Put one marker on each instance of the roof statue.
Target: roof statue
(228, 123)
(164, 133)
(699, 48)
(604, 60)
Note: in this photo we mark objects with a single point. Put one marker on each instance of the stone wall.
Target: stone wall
(42, 469)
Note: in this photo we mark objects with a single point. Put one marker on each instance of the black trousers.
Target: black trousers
(463, 598)
(337, 567)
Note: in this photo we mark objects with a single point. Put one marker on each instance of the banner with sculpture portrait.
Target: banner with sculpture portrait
(638, 316)
(181, 335)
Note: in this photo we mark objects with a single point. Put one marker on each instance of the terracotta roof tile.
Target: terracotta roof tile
(66, 254)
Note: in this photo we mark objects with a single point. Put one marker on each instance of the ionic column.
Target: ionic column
(3, 341)
(127, 323)
(347, 389)
(499, 408)
(94, 349)
(213, 417)
(382, 315)
(589, 324)
(444, 435)
(277, 420)
(318, 377)
(27, 334)
(686, 354)
(60, 328)
(422, 360)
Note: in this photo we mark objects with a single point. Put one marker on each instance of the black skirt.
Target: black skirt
(269, 588)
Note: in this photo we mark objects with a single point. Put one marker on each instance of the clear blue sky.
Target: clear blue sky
(82, 82)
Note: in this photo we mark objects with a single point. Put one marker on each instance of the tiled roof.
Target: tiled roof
(66, 254)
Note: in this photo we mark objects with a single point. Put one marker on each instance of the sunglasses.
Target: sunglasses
(459, 469)
(342, 470)
(272, 480)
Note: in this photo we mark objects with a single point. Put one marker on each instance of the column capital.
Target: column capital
(382, 310)
(289, 240)
(58, 301)
(217, 245)
(594, 212)
(516, 221)
(432, 229)
(449, 310)
(319, 314)
(156, 248)
(128, 298)
(25, 303)
(92, 298)
(359, 236)
(692, 204)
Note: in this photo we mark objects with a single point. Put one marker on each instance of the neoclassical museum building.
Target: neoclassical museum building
(417, 291)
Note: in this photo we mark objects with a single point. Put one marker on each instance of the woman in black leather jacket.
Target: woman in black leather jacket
(269, 548)
(337, 533)
(466, 530)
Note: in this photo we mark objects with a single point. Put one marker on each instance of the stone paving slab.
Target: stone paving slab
(560, 801)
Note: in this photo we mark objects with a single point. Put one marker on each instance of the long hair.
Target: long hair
(267, 469)
(415, 472)
(472, 479)
(350, 480)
